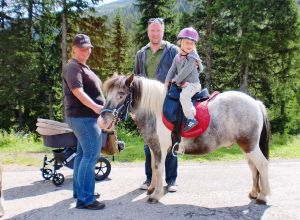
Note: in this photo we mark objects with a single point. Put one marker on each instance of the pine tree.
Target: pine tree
(253, 47)
(119, 45)
(96, 28)
(201, 19)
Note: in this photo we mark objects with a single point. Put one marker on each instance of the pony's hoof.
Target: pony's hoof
(152, 200)
(252, 197)
(261, 202)
(150, 191)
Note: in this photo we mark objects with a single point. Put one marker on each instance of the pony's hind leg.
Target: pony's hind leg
(255, 178)
(261, 164)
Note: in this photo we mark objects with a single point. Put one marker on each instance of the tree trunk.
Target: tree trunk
(244, 76)
(64, 34)
(20, 113)
(30, 18)
(244, 56)
(64, 42)
(51, 115)
(282, 116)
(208, 69)
(2, 19)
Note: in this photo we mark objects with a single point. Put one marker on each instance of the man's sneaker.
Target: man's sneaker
(145, 185)
(172, 187)
(189, 124)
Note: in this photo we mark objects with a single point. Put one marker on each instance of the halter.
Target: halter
(121, 112)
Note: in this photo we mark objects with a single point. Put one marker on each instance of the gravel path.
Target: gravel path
(212, 190)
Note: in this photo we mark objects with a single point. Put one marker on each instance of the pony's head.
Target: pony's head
(119, 97)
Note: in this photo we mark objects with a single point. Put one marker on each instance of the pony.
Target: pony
(235, 117)
(1, 197)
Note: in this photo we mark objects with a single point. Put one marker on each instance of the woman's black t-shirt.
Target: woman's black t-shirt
(78, 75)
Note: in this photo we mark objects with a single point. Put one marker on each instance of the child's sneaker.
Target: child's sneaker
(189, 124)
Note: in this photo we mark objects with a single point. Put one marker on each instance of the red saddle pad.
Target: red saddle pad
(202, 116)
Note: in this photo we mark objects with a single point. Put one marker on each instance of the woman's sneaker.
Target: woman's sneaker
(145, 185)
(189, 124)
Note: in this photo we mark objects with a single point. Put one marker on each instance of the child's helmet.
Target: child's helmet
(188, 33)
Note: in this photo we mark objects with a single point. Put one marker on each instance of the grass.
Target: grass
(28, 149)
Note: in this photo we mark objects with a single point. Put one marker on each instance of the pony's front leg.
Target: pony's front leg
(153, 184)
(157, 174)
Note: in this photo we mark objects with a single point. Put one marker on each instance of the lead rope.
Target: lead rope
(175, 149)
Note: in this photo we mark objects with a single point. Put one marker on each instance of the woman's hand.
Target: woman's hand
(97, 108)
(86, 100)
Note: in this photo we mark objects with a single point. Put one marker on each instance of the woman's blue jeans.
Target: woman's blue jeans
(89, 143)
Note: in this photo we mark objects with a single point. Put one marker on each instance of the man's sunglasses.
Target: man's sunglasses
(156, 20)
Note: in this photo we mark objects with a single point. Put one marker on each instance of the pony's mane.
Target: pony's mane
(150, 93)
(153, 95)
(112, 82)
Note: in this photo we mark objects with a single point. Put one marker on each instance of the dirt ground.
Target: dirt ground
(212, 190)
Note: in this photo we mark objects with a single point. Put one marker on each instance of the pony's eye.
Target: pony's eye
(121, 94)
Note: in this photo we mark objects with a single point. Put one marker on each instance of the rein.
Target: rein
(120, 113)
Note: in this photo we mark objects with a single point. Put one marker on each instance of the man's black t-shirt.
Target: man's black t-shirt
(78, 75)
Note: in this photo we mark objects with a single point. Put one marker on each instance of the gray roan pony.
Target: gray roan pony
(235, 118)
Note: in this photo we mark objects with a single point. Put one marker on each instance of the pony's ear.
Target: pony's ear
(129, 80)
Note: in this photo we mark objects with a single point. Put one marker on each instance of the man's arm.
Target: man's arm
(137, 65)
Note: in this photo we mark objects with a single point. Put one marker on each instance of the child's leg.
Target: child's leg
(185, 99)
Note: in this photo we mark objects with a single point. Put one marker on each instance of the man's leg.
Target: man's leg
(171, 166)
(148, 170)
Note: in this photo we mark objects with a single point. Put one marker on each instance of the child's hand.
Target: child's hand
(183, 84)
(173, 81)
(167, 84)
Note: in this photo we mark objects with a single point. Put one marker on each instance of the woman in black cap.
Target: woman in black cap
(83, 100)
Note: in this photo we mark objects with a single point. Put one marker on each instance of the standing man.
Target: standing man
(154, 61)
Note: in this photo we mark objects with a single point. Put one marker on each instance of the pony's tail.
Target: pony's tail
(265, 133)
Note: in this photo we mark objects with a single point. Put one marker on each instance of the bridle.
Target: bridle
(121, 112)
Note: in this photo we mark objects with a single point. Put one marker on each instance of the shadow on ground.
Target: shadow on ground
(131, 206)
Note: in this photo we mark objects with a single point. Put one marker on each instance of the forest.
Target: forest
(250, 46)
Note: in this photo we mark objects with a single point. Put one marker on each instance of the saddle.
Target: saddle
(173, 117)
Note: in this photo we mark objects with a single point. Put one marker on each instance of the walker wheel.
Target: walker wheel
(47, 174)
(102, 169)
(58, 179)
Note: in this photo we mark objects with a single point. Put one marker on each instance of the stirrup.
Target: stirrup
(175, 152)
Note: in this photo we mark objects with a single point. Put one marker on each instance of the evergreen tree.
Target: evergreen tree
(31, 66)
(201, 19)
(252, 46)
(120, 45)
(96, 28)
(281, 63)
